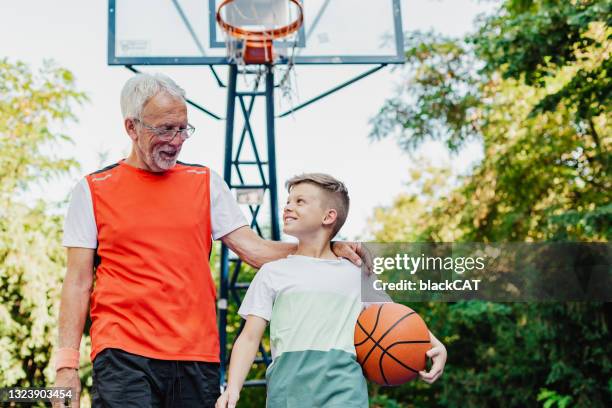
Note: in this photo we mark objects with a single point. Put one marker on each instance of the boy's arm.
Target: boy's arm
(243, 355)
(438, 356)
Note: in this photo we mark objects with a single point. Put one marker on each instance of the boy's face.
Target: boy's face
(306, 212)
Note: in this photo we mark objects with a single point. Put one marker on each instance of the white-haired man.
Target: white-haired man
(146, 225)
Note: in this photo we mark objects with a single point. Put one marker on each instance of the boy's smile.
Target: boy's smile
(304, 212)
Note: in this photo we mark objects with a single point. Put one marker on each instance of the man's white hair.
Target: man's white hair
(139, 89)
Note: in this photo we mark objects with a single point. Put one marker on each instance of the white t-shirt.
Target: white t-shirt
(312, 305)
(80, 228)
(310, 302)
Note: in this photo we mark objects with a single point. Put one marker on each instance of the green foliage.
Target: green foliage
(551, 399)
(545, 163)
(32, 106)
(504, 355)
(536, 92)
(562, 47)
(383, 401)
(533, 38)
(32, 260)
(30, 283)
(442, 84)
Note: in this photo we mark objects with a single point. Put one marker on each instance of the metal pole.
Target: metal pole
(227, 175)
(331, 91)
(272, 184)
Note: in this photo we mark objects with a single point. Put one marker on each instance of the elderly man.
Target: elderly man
(146, 225)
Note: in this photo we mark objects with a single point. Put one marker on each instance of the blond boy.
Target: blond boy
(312, 301)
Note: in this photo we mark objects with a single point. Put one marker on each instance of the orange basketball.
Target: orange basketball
(391, 340)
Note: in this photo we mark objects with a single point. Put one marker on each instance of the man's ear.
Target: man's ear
(330, 217)
(130, 128)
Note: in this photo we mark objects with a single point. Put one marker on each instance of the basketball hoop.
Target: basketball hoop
(247, 43)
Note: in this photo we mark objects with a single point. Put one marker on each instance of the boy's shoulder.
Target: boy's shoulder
(279, 270)
(293, 261)
(278, 264)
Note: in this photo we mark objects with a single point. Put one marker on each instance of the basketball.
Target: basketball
(391, 341)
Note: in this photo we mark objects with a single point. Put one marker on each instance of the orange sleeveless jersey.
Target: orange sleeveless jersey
(154, 294)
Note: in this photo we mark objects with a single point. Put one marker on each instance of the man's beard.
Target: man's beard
(157, 159)
(164, 157)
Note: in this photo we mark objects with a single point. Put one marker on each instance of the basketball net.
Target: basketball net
(286, 73)
(249, 36)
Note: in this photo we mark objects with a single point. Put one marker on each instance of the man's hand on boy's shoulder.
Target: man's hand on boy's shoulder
(228, 399)
(354, 252)
(438, 357)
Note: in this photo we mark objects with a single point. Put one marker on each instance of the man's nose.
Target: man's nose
(177, 141)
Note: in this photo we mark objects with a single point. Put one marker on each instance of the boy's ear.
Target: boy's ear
(330, 217)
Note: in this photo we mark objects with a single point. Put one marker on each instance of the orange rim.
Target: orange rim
(260, 38)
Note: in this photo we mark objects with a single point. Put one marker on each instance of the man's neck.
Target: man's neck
(135, 161)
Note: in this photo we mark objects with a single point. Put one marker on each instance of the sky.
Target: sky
(329, 136)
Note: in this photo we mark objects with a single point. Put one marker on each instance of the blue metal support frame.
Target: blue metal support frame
(331, 91)
(231, 289)
(272, 154)
(222, 302)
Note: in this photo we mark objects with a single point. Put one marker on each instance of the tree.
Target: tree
(32, 261)
(546, 171)
(532, 85)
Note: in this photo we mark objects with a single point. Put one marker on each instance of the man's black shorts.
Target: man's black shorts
(122, 379)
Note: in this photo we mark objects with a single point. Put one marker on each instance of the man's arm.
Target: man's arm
(74, 307)
(243, 355)
(255, 250)
(76, 291)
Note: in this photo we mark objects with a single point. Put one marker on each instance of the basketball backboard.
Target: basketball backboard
(185, 32)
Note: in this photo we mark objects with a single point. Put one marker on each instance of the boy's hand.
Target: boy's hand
(438, 356)
(228, 399)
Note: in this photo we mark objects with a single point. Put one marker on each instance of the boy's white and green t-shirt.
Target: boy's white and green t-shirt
(312, 305)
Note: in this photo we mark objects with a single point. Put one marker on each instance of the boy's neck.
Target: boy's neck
(315, 247)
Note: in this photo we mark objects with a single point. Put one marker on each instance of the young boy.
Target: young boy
(312, 301)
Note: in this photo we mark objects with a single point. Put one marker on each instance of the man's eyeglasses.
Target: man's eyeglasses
(166, 134)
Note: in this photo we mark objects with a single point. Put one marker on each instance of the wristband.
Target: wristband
(67, 358)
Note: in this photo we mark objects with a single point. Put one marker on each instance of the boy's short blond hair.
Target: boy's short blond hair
(335, 192)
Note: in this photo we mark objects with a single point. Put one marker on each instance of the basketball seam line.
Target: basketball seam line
(371, 333)
(393, 326)
(386, 352)
(376, 342)
(365, 331)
